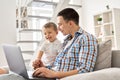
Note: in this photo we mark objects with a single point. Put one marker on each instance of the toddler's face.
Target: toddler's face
(50, 34)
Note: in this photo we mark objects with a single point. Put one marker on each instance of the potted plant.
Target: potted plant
(112, 32)
(99, 20)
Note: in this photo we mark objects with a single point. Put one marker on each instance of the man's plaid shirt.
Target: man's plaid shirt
(80, 55)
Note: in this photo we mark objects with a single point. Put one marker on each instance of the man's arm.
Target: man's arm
(65, 74)
(87, 54)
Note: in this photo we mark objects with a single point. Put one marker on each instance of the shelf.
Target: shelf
(41, 3)
(30, 30)
(74, 5)
(98, 26)
(108, 23)
(28, 41)
(29, 52)
(109, 28)
(41, 17)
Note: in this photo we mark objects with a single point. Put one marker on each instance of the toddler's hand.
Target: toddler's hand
(36, 63)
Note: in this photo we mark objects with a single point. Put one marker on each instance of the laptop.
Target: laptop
(16, 62)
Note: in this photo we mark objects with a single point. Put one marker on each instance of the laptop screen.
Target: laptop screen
(15, 59)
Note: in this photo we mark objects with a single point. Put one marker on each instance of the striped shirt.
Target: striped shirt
(80, 54)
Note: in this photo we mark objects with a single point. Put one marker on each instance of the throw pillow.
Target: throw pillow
(104, 55)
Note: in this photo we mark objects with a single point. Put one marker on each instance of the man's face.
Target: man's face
(63, 25)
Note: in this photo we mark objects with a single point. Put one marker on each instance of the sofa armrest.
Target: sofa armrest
(103, 74)
(115, 58)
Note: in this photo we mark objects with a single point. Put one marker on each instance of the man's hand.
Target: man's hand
(37, 63)
(44, 72)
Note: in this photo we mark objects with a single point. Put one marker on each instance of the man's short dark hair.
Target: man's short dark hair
(51, 24)
(69, 14)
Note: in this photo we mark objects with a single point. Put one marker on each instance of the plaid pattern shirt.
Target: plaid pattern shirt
(80, 54)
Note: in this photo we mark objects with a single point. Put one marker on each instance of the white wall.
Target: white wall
(91, 7)
(7, 26)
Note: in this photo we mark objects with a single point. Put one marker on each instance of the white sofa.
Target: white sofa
(112, 73)
(107, 66)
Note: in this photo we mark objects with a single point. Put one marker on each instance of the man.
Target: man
(79, 49)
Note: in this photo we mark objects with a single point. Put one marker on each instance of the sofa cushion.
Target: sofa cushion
(11, 77)
(104, 55)
(104, 74)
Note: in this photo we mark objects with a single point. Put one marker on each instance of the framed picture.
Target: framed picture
(23, 11)
(24, 24)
